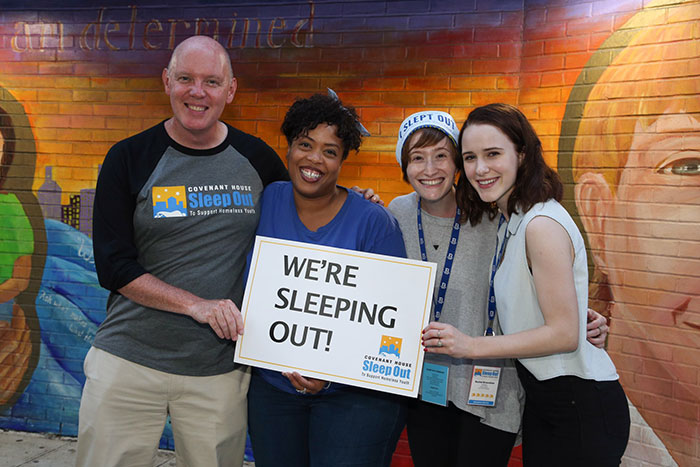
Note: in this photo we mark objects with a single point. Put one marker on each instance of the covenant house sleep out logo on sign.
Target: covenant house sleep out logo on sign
(388, 366)
(390, 346)
(202, 200)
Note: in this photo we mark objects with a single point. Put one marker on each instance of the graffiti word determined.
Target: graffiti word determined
(122, 29)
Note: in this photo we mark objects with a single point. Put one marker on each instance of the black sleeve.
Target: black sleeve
(125, 170)
(261, 156)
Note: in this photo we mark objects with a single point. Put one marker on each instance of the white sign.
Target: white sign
(338, 315)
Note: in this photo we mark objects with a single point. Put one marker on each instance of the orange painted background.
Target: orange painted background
(611, 86)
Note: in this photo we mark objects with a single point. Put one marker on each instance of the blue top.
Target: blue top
(360, 225)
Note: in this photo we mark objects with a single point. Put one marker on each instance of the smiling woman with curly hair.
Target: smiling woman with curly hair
(296, 420)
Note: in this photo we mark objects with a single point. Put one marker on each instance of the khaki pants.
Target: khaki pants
(124, 407)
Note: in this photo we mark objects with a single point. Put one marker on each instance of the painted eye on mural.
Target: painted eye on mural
(684, 166)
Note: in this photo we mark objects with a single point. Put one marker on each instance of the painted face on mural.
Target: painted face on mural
(650, 237)
(649, 247)
(200, 84)
(664, 238)
(636, 163)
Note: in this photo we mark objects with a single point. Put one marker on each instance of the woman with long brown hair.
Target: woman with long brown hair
(575, 411)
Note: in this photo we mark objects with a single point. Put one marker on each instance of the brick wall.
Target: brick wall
(610, 86)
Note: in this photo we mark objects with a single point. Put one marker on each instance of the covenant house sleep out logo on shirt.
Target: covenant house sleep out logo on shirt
(169, 201)
(201, 200)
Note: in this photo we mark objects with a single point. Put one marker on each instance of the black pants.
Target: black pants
(573, 421)
(448, 436)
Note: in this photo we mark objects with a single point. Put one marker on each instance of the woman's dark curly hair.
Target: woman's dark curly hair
(535, 181)
(306, 114)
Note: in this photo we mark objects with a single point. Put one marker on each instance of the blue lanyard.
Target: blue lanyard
(448, 259)
(497, 258)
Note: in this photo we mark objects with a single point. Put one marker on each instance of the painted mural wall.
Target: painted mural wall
(612, 87)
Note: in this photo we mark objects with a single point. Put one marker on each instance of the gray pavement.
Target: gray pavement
(19, 448)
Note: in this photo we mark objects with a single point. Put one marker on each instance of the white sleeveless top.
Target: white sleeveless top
(518, 308)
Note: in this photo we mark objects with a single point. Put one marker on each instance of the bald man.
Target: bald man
(175, 213)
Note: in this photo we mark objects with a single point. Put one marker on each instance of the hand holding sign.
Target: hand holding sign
(305, 385)
(222, 315)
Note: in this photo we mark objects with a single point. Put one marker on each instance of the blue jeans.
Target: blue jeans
(350, 426)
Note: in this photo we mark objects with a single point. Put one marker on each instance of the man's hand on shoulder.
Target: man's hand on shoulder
(222, 315)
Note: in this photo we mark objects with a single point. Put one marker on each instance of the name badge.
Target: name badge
(434, 383)
(484, 386)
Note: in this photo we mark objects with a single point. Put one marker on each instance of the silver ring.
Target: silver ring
(301, 391)
(438, 334)
(439, 343)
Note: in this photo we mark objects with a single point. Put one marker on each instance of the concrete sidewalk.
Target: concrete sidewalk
(19, 448)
